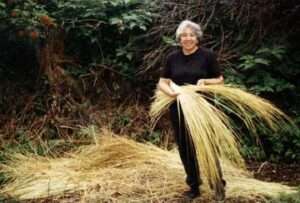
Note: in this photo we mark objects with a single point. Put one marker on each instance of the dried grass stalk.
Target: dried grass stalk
(209, 128)
(252, 109)
(118, 170)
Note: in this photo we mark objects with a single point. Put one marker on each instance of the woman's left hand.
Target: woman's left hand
(201, 82)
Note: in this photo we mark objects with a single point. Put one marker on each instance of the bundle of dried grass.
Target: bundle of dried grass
(209, 128)
(252, 109)
(118, 170)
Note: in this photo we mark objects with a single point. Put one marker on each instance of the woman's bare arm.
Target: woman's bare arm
(211, 81)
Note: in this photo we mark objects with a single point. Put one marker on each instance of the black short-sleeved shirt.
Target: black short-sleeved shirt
(188, 69)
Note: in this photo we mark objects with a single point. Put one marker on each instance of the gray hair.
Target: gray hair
(187, 23)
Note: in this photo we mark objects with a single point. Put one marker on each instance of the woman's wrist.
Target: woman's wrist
(211, 81)
(201, 82)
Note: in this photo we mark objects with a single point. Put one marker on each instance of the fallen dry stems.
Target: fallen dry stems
(119, 170)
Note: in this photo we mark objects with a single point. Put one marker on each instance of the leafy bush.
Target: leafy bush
(96, 31)
(269, 72)
(102, 32)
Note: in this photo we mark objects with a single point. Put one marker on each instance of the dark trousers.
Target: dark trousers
(186, 148)
(187, 152)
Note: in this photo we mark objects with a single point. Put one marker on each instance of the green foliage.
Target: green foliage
(24, 145)
(285, 144)
(102, 32)
(169, 41)
(287, 198)
(122, 121)
(251, 150)
(28, 19)
(2, 10)
(271, 72)
(96, 31)
(154, 137)
(281, 146)
(24, 26)
(261, 70)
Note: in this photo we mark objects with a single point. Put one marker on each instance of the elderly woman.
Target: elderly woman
(192, 64)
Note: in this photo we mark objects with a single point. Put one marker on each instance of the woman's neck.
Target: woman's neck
(190, 51)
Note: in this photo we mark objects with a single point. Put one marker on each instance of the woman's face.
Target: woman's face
(188, 39)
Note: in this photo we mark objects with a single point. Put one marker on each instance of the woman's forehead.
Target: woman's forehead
(188, 30)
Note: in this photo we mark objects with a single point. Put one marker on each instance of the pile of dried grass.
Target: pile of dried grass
(210, 128)
(118, 169)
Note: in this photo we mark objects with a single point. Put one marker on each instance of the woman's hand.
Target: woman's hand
(173, 94)
(164, 85)
(201, 82)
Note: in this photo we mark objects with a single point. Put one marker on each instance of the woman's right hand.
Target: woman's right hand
(173, 94)
(164, 86)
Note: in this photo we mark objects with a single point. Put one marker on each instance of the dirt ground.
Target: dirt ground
(288, 174)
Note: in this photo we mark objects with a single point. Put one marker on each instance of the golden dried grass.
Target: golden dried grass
(252, 109)
(119, 170)
(209, 128)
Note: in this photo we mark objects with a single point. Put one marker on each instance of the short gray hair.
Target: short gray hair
(187, 23)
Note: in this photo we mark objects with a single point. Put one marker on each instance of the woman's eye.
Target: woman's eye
(188, 35)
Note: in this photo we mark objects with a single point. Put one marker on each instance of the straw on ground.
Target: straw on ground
(121, 170)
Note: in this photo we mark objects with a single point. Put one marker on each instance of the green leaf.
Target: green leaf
(2, 5)
(263, 50)
(143, 27)
(94, 39)
(169, 40)
(246, 66)
(129, 55)
(115, 21)
(247, 57)
(132, 25)
(262, 61)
